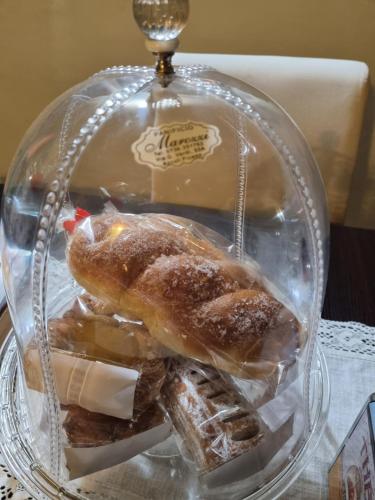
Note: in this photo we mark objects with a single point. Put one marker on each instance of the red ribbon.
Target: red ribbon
(80, 214)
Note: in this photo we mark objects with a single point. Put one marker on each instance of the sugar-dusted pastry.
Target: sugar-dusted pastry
(209, 414)
(192, 297)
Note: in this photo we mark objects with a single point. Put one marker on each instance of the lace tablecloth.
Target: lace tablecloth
(350, 353)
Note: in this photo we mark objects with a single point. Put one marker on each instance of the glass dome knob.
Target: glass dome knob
(161, 21)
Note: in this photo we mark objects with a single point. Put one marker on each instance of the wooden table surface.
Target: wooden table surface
(350, 294)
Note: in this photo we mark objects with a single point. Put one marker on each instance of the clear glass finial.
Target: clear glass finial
(161, 20)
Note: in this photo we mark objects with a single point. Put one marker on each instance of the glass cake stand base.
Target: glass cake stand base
(16, 448)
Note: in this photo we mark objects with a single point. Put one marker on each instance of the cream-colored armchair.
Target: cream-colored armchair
(325, 97)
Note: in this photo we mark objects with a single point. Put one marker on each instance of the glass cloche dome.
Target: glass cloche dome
(164, 258)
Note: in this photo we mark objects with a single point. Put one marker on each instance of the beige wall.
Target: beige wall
(48, 45)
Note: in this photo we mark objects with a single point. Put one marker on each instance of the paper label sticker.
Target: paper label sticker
(176, 144)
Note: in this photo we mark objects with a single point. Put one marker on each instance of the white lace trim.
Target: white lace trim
(348, 338)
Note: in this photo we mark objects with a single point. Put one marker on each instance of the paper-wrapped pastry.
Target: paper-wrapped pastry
(94, 385)
(97, 441)
(101, 364)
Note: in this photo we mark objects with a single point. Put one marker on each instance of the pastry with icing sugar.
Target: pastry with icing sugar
(193, 296)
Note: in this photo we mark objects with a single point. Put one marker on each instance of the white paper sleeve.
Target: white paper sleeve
(93, 385)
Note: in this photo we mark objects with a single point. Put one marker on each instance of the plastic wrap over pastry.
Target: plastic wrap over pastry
(220, 432)
(180, 279)
(86, 329)
(100, 363)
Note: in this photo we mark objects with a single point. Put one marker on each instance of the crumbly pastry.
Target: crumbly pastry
(209, 414)
(192, 297)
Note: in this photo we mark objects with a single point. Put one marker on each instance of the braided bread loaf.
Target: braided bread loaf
(194, 298)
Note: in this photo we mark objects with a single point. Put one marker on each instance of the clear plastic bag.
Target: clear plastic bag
(109, 373)
(181, 281)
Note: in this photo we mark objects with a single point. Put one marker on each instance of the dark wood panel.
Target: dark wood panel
(350, 294)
